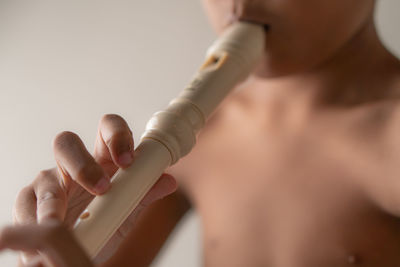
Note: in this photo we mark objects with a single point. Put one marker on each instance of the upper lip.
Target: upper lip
(247, 12)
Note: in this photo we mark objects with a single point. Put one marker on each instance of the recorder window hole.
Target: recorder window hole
(84, 215)
(214, 61)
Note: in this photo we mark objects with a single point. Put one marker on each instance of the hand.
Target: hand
(62, 193)
(53, 241)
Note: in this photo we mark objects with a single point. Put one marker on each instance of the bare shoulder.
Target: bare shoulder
(387, 86)
(388, 110)
(392, 102)
(378, 124)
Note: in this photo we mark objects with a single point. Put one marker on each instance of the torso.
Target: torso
(320, 196)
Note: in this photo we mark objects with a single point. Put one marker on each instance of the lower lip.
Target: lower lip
(267, 27)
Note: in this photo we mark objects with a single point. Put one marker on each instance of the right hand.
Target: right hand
(62, 193)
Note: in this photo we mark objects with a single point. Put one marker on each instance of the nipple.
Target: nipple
(353, 259)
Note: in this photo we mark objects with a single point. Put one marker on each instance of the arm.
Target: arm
(153, 226)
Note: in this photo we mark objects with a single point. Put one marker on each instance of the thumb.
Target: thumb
(165, 185)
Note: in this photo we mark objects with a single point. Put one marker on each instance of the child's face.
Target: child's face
(302, 33)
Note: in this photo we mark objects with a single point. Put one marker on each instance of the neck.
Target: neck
(354, 75)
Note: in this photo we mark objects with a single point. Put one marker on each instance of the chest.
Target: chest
(294, 195)
(319, 195)
(244, 156)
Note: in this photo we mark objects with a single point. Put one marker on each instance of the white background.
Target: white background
(64, 64)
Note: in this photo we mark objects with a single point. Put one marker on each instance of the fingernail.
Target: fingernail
(125, 158)
(102, 185)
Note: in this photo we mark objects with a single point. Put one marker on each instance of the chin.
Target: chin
(269, 70)
(287, 63)
(266, 72)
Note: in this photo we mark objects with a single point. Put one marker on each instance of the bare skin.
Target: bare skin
(301, 170)
(319, 194)
(298, 167)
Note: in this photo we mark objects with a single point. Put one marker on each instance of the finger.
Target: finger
(51, 198)
(53, 240)
(114, 145)
(24, 211)
(165, 185)
(76, 163)
(43, 199)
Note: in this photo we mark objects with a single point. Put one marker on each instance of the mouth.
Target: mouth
(266, 26)
(233, 19)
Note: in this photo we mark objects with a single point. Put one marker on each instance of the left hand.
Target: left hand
(51, 239)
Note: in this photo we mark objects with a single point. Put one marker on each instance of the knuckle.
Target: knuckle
(24, 192)
(48, 195)
(115, 133)
(65, 139)
(108, 140)
(44, 176)
(88, 172)
(119, 141)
